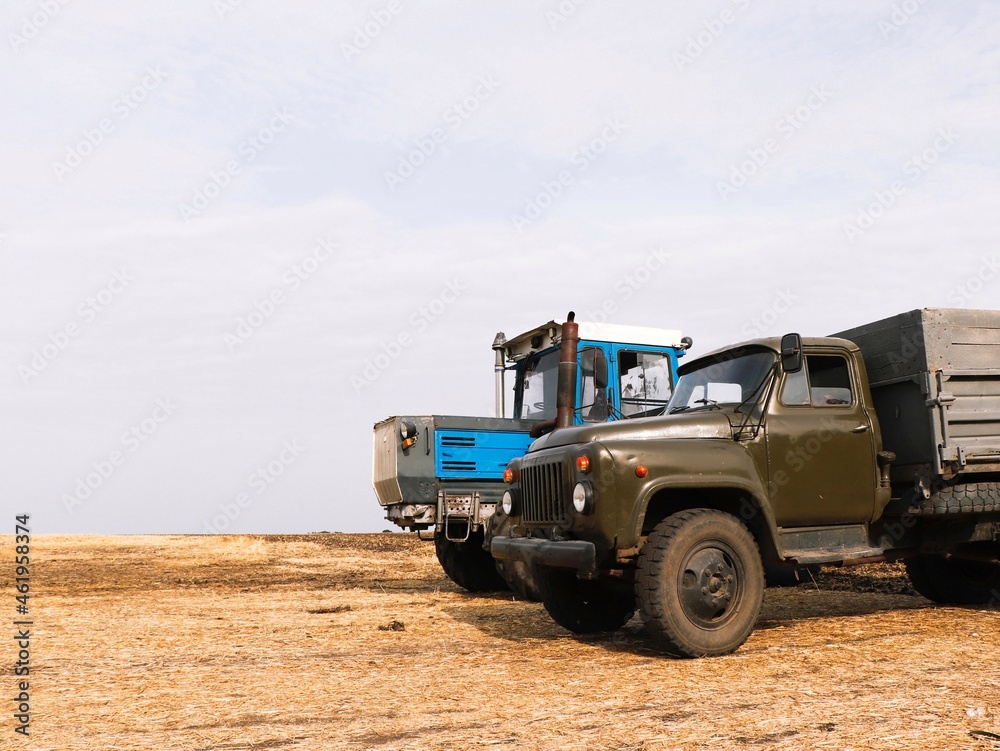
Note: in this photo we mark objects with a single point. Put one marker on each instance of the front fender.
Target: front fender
(695, 465)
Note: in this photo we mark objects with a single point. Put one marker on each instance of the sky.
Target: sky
(219, 219)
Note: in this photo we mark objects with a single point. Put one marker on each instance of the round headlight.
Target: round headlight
(583, 498)
(507, 504)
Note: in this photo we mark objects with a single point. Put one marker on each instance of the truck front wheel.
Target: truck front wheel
(958, 581)
(585, 606)
(467, 564)
(700, 583)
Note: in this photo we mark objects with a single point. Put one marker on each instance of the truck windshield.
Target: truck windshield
(538, 386)
(729, 379)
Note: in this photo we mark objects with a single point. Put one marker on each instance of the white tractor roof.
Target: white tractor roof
(550, 334)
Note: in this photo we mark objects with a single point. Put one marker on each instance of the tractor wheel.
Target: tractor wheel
(467, 564)
(521, 577)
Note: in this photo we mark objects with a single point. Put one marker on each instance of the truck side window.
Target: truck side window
(824, 381)
(795, 392)
(644, 382)
(829, 380)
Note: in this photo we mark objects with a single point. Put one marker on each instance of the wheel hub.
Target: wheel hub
(708, 585)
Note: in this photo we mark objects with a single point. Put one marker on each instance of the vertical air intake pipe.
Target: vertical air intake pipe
(566, 385)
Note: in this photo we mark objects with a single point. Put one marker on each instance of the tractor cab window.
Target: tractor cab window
(538, 386)
(593, 385)
(645, 384)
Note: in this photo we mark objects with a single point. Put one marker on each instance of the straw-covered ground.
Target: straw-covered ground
(360, 642)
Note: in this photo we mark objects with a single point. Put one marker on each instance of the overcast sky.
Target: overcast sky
(216, 216)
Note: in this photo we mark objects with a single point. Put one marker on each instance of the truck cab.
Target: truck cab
(444, 473)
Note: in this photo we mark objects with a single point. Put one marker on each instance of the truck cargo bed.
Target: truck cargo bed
(935, 381)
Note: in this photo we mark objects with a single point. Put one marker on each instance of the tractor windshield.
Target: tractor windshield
(536, 396)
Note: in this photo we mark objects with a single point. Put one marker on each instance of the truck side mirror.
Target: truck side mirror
(791, 353)
(600, 370)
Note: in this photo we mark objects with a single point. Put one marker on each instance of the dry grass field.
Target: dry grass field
(360, 642)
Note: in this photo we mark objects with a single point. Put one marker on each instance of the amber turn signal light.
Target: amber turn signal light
(583, 464)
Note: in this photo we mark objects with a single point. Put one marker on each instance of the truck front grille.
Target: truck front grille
(543, 489)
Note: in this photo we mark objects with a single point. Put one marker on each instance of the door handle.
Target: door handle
(859, 429)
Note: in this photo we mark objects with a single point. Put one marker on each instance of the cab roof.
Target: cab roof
(550, 334)
(772, 343)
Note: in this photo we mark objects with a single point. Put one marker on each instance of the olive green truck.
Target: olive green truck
(881, 443)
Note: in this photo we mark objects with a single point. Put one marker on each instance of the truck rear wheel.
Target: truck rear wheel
(467, 564)
(585, 606)
(700, 583)
(957, 581)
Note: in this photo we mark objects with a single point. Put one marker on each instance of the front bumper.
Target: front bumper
(574, 554)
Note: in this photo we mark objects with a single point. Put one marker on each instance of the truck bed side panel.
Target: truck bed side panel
(935, 381)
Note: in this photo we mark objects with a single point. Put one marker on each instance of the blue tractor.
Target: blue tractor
(445, 473)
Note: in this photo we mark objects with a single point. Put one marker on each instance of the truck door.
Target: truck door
(821, 457)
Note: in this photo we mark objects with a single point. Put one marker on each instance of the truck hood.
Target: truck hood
(702, 424)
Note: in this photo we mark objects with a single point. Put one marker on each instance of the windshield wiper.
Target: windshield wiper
(706, 402)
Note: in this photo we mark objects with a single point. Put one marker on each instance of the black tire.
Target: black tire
(967, 498)
(585, 606)
(700, 583)
(521, 577)
(954, 581)
(467, 564)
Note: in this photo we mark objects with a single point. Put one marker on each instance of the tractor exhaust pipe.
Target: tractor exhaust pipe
(498, 370)
(566, 384)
